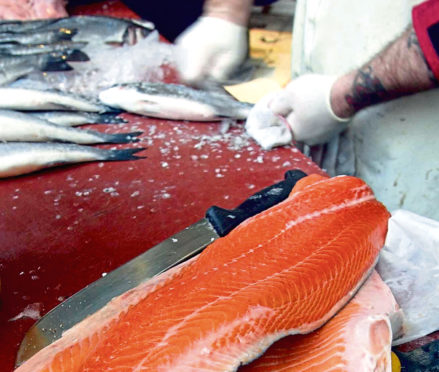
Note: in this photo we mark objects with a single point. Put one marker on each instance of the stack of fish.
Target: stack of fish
(28, 116)
(22, 132)
(49, 44)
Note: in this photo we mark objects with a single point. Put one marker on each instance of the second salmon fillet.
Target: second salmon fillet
(285, 271)
(357, 339)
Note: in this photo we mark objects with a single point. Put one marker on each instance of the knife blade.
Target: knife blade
(185, 244)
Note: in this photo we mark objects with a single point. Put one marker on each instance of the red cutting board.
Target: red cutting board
(63, 228)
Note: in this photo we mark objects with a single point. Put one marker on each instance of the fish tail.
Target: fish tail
(110, 118)
(125, 154)
(123, 137)
(55, 62)
(76, 55)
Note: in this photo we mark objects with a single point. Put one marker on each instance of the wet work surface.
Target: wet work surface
(64, 228)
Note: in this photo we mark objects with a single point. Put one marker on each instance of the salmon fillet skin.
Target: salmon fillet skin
(357, 339)
(284, 271)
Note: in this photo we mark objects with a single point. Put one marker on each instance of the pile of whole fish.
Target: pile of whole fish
(47, 115)
(28, 116)
(49, 44)
(24, 122)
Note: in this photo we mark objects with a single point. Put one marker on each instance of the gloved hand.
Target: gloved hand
(210, 48)
(305, 103)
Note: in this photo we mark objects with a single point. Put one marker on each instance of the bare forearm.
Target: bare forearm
(236, 11)
(399, 70)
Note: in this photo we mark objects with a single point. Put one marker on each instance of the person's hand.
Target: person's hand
(305, 103)
(210, 48)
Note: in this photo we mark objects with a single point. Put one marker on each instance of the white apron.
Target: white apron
(395, 145)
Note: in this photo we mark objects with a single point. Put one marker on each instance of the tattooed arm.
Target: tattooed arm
(317, 107)
(399, 70)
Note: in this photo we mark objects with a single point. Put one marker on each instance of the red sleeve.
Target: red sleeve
(425, 18)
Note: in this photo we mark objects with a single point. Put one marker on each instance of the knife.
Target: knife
(185, 244)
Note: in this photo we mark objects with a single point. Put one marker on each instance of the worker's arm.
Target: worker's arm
(399, 70)
(316, 107)
(216, 43)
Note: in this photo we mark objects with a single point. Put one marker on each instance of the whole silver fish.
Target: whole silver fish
(75, 118)
(109, 30)
(100, 29)
(37, 37)
(71, 50)
(14, 67)
(18, 126)
(23, 99)
(174, 101)
(21, 158)
(18, 26)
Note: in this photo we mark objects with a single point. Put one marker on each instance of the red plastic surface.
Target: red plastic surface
(63, 228)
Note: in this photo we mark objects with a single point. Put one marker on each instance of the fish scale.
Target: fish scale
(285, 271)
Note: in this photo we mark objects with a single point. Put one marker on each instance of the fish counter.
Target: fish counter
(65, 227)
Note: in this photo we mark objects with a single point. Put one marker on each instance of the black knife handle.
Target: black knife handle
(225, 220)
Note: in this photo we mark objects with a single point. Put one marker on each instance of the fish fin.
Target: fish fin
(125, 154)
(123, 137)
(76, 55)
(55, 63)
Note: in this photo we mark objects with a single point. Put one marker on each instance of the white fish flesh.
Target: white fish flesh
(18, 126)
(75, 118)
(21, 158)
(174, 101)
(36, 100)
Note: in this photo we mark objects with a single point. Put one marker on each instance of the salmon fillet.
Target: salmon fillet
(284, 271)
(357, 339)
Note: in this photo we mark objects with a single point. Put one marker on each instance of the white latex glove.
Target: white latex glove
(266, 128)
(210, 48)
(305, 103)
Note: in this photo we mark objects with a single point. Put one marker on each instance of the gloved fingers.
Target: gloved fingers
(191, 64)
(282, 103)
(228, 57)
(224, 64)
(299, 134)
(304, 131)
(265, 101)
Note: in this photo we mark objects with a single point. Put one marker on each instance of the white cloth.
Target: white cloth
(266, 128)
(394, 144)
